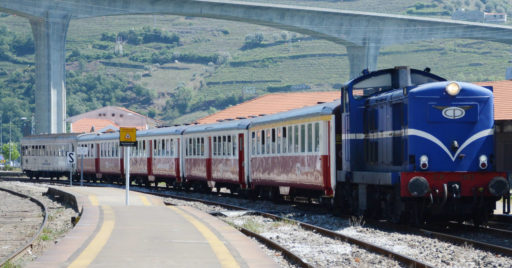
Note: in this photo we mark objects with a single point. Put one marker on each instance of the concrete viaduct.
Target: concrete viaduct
(362, 33)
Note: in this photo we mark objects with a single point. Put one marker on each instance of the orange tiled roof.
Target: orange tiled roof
(502, 98)
(86, 124)
(271, 104)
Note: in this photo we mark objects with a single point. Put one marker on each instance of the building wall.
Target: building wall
(121, 117)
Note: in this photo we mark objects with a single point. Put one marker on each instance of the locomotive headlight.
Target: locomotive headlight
(483, 161)
(424, 162)
(498, 186)
(453, 89)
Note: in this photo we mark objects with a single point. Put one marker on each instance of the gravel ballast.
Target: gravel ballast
(58, 223)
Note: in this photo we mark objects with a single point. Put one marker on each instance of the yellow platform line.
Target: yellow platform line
(94, 200)
(92, 250)
(220, 250)
(145, 200)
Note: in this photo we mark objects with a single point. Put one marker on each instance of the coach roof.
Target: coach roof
(316, 110)
(161, 131)
(221, 126)
(98, 136)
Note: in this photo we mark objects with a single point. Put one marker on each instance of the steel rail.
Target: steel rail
(388, 253)
(271, 244)
(443, 236)
(461, 240)
(22, 249)
(482, 229)
(410, 262)
(502, 218)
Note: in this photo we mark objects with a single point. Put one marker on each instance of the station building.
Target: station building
(109, 119)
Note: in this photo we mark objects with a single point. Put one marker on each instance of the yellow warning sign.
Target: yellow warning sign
(128, 136)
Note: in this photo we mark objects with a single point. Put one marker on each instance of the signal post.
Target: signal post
(127, 138)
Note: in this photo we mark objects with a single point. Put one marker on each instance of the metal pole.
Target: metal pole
(2, 132)
(10, 141)
(71, 175)
(82, 170)
(127, 174)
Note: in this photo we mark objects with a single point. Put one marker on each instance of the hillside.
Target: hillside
(178, 69)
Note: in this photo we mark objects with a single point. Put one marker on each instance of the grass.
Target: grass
(253, 226)
(10, 265)
(47, 234)
(282, 222)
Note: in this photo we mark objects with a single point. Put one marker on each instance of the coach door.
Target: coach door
(241, 159)
(177, 158)
(209, 160)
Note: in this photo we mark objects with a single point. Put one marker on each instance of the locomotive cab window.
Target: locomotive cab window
(372, 85)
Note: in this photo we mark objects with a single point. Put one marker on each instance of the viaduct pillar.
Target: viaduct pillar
(50, 93)
(362, 57)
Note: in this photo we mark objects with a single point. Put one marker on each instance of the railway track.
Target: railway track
(293, 258)
(442, 235)
(21, 226)
(410, 262)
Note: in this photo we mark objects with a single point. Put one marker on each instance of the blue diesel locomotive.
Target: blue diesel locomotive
(417, 147)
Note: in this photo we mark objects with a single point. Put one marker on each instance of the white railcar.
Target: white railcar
(46, 155)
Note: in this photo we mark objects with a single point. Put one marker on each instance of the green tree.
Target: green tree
(13, 151)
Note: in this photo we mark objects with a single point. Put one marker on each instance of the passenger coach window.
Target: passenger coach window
(279, 140)
(253, 143)
(194, 147)
(235, 141)
(295, 139)
(202, 146)
(310, 138)
(229, 146)
(317, 137)
(302, 138)
(220, 147)
(262, 141)
(290, 139)
(257, 143)
(214, 146)
(285, 143)
(273, 141)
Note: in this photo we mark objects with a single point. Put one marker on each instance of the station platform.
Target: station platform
(146, 233)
